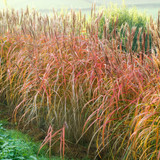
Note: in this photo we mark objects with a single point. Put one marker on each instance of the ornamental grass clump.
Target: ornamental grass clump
(56, 74)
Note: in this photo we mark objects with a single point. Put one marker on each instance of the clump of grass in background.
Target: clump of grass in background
(118, 18)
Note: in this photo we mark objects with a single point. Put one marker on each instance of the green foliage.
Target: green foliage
(15, 146)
